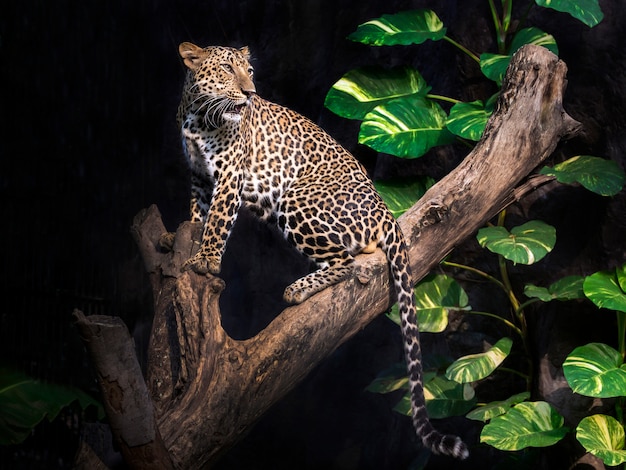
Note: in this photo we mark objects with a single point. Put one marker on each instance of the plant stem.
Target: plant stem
(504, 275)
(500, 29)
(507, 8)
(508, 323)
(513, 371)
(443, 98)
(519, 315)
(527, 303)
(463, 48)
(475, 271)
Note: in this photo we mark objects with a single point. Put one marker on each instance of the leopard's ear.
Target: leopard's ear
(246, 52)
(192, 55)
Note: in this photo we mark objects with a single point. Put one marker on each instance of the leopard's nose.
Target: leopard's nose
(249, 90)
(247, 86)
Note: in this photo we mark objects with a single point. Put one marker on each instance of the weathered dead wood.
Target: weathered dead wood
(126, 400)
(208, 388)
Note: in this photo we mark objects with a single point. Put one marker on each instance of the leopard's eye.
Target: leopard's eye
(228, 68)
(250, 71)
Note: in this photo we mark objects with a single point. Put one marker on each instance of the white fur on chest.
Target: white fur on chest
(210, 152)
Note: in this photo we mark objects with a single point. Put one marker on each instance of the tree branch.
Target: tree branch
(126, 401)
(208, 388)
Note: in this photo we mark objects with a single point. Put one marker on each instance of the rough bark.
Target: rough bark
(208, 388)
(126, 400)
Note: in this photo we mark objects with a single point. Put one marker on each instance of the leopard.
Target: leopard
(245, 151)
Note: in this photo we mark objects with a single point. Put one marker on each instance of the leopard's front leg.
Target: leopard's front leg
(218, 224)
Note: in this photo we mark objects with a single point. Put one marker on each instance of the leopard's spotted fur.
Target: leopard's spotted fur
(285, 169)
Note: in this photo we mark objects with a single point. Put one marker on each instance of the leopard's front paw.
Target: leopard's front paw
(202, 264)
(294, 294)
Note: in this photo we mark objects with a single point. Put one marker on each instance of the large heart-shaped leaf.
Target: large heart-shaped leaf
(400, 194)
(24, 402)
(361, 90)
(395, 378)
(444, 398)
(603, 436)
(468, 120)
(494, 66)
(525, 244)
(407, 27)
(604, 177)
(435, 296)
(406, 127)
(528, 424)
(587, 11)
(475, 367)
(568, 288)
(496, 408)
(605, 290)
(596, 370)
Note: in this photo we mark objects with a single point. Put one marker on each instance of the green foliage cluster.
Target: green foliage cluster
(25, 402)
(401, 117)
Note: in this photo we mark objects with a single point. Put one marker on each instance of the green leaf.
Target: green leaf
(525, 244)
(494, 66)
(587, 11)
(496, 408)
(360, 91)
(598, 175)
(568, 288)
(596, 370)
(444, 398)
(395, 378)
(528, 424)
(468, 120)
(406, 127)
(435, 296)
(407, 27)
(605, 290)
(25, 402)
(400, 194)
(475, 367)
(390, 380)
(603, 436)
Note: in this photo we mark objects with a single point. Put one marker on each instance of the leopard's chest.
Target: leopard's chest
(211, 153)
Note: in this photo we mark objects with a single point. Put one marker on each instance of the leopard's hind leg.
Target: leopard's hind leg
(332, 270)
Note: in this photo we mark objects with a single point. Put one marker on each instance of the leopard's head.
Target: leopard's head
(219, 82)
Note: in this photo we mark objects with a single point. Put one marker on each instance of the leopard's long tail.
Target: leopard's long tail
(396, 251)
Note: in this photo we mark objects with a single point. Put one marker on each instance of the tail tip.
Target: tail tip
(454, 447)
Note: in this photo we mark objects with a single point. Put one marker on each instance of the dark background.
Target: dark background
(88, 94)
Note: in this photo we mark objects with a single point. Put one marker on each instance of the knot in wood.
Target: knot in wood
(435, 214)
(233, 357)
(364, 273)
(216, 285)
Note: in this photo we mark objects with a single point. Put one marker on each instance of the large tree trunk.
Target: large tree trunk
(207, 388)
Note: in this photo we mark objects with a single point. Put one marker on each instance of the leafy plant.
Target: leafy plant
(598, 370)
(400, 116)
(25, 402)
